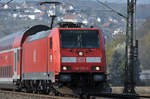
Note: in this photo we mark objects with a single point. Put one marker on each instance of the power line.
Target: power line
(6, 3)
(120, 14)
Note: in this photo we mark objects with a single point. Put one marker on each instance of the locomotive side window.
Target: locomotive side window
(79, 39)
(50, 43)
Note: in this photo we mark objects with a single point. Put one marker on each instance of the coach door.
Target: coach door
(50, 66)
(15, 63)
(51, 60)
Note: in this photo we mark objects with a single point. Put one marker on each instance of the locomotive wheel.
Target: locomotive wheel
(35, 86)
(84, 97)
(93, 98)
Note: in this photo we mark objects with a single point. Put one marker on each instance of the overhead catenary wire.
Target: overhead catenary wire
(6, 3)
(120, 14)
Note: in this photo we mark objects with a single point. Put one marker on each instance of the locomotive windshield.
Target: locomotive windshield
(79, 39)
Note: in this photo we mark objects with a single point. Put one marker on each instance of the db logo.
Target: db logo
(81, 59)
(34, 56)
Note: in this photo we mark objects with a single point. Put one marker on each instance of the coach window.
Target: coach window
(18, 55)
(0, 71)
(3, 72)
(50, 43)
(6, 71)
(10, 71)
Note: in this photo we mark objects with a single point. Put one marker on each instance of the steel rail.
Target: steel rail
(119, 96)
(34, 95)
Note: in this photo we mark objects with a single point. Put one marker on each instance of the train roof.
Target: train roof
(16, 39)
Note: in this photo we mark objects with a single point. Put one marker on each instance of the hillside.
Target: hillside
(143, 35)
(27, 14)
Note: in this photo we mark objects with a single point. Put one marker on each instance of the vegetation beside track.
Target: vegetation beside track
(139, 90)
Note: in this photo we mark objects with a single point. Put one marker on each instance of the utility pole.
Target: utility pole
(131, 45)
(131, 49)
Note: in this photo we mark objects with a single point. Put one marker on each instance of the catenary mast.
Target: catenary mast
(131, 49)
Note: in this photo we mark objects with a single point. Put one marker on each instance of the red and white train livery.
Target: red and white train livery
(38, 58)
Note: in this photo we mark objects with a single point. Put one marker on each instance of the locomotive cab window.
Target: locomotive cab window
(79, 39)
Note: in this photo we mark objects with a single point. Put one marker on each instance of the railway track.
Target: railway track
(121, 96)
(21, 95)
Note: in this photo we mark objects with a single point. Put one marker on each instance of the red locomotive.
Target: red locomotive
(43, 59)
(40, 58)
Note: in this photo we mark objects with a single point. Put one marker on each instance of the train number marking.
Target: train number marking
(81, 59)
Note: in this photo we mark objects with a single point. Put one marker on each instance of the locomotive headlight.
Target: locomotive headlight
(80, 53)
(64, 68)
(97, 68)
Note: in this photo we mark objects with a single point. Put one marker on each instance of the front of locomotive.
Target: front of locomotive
(83, 60)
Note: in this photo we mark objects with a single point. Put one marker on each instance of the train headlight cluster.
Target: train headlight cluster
(65, 68)
(97, 68)
(80, 53)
